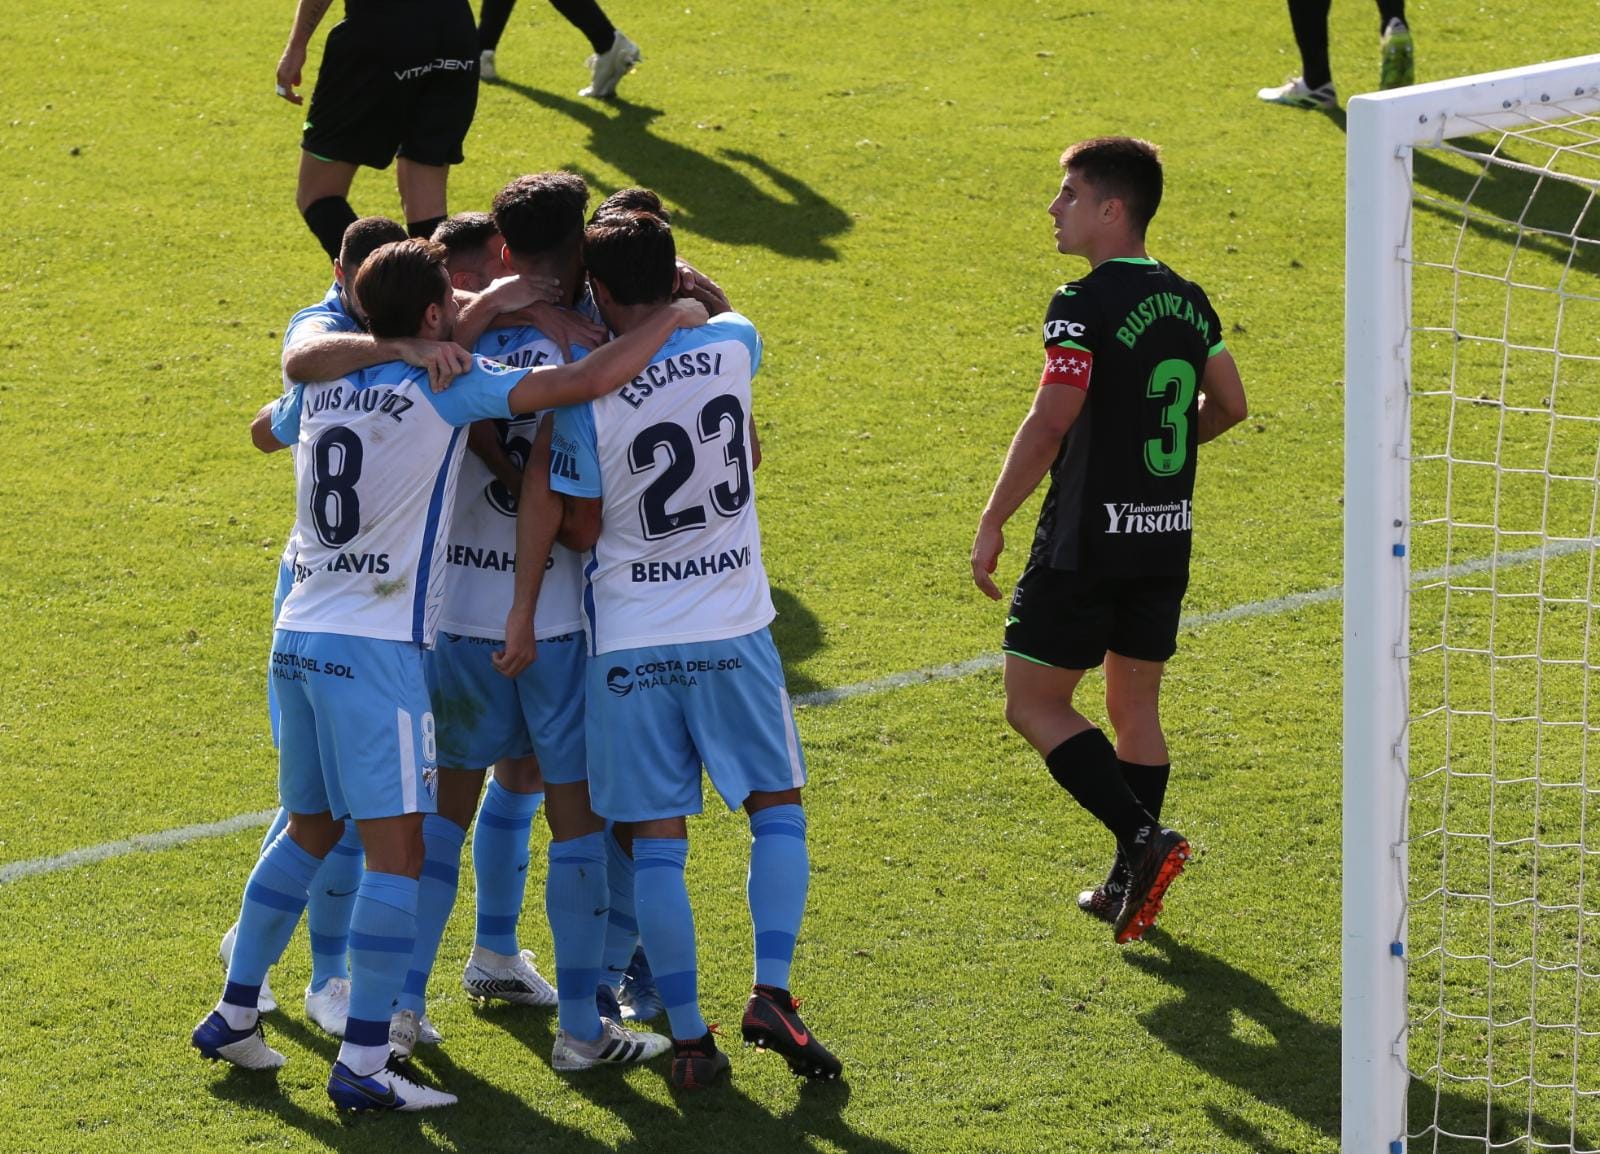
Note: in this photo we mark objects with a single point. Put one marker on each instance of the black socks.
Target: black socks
(1086, 766)
(327, 219)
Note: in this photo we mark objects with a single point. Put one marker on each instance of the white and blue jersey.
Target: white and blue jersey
(683, 671)
(375, 480)
(482, 716)
(328, 315)
(679, 554)
(482, 549)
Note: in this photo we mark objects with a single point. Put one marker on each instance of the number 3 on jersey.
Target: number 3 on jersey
(655, 519)
(1172, 381)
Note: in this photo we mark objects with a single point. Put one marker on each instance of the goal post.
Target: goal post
(1517, 120)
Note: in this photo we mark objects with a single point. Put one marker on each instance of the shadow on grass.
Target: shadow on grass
(1238, 1030)
(798, 635)
(486, 1119)
(707, 194)
(721, 1118)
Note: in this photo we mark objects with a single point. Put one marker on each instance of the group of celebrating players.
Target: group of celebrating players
(543, 557)
(571, 592)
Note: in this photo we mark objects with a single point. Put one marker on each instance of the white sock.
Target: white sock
(238, 1017)
(364, 1061)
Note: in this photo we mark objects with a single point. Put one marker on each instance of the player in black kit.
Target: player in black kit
(1135, 377)
(398, 77)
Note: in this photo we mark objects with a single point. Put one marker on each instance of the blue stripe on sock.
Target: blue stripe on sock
(236, 994)
(440, 871)
(380, 944)
(677, 989)
(569, 978)
(329, 944)
(416, 983)
(272, 899)
(622, 921)
(360, 1032)
(654, 863)
(495, 821)
(494, 925)
(776, 945)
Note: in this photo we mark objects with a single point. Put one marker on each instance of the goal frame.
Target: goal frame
(1384, 128)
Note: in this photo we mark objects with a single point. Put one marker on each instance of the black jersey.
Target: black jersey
(1136, 336)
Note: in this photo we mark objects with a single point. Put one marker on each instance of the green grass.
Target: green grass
(869, 184)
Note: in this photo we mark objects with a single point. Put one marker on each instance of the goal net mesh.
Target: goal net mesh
(1503, 833)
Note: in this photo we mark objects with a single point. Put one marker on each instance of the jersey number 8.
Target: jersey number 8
(335, 469)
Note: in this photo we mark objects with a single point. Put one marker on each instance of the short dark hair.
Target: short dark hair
(397, 283)
(465, 233)
(362, 238)
(542, 212)
(626, 200)
(1123, 167)
(632, 254)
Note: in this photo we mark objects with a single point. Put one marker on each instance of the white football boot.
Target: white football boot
(506, 978)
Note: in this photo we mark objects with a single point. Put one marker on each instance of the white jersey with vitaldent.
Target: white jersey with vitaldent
(679, 553)
(482, 550)
(375, 480)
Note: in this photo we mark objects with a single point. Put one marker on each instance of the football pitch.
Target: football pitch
(869, 185)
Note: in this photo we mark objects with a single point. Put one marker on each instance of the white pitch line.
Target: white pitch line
(166, 839)
(144, 843)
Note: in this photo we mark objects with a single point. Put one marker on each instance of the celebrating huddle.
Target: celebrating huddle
(541, 560)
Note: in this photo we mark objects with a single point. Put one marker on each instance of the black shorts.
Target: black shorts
(397, 77)
(1067, 619)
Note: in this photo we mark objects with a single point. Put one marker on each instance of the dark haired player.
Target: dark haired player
(1135, 377)
(375, 474)
(398, 78)
(683, 672)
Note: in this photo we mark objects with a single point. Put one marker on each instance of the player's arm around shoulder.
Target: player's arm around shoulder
(326, 356)
(607, 368)
(1222, 403)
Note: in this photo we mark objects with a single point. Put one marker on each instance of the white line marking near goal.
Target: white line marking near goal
(166, 839)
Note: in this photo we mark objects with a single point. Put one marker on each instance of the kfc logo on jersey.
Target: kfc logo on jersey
(1067, 367)
(1056, 330)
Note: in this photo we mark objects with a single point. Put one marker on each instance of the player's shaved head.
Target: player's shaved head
(473, 243)
(398, 282)
(1122, 168)
(364, 237)
(541, 213)
(466, 233)
(633, 256)
(626, 200)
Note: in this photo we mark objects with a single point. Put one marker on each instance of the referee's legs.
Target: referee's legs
(321, 196)
(422, 194)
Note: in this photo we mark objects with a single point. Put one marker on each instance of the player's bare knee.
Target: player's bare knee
(519, 775)
(316, 833)
(759, 800)
(567, 811)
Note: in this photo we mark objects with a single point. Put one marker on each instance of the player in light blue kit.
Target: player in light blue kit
(333, 333)
(682, 670)
(376, 467)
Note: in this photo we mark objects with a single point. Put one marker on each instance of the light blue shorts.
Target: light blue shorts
(484, 716)
(656, 715)
(356, 731)
(285, 583)
(552, 693)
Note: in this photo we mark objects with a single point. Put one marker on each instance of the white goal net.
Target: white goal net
(1477, 595)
